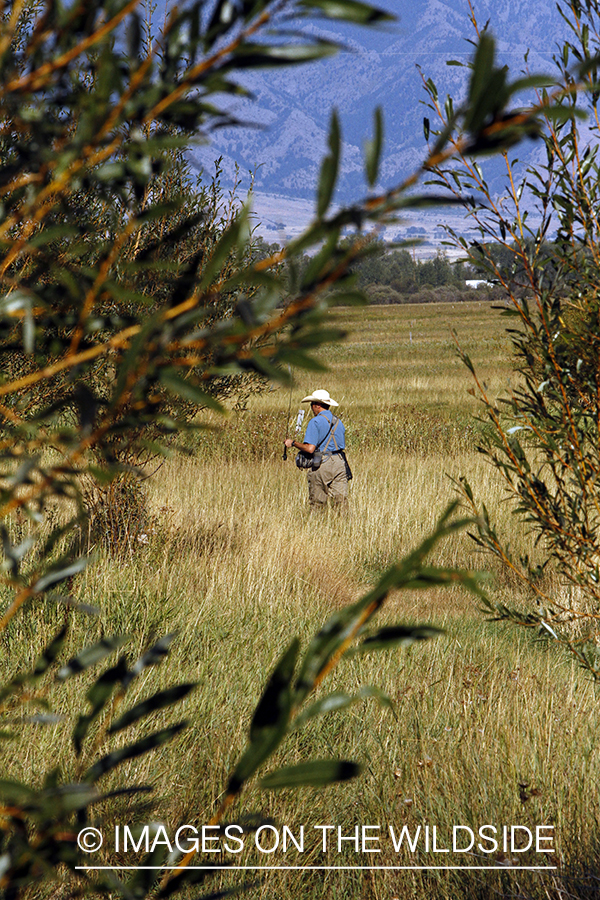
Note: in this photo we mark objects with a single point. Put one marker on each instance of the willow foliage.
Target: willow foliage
(108, 338)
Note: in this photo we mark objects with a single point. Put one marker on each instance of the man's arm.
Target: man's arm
(306, 448)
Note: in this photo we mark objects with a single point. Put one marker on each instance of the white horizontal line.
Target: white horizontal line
(333, 868)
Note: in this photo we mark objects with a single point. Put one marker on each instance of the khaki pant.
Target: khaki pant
(328, 482)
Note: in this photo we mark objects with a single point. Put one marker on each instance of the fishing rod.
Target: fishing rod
(297, 430)
(299, 418)
(287, 421)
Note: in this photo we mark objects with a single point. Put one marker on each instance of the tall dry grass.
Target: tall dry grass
(488, 726)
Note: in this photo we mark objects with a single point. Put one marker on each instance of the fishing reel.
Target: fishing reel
(299, 421)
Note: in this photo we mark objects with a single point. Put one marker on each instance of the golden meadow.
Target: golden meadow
(488, 727)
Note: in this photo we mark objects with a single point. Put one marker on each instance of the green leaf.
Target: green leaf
(488, 93)
(42, 664)
(394, 635)
(588, 65)
(373, 148)
(18, 301)
(270, 719)
(14, 553)
(155, 654)
(98, 695)
(316, 773)
(275, 701)
(425, 201)
(187, 390)
(348, 298)
(443, 137)
(301, 360)
(158, 701)
(50, 653)
(339, 700)
(315, 233)
(532, 81)
(224, 17)
(132, 751)
(129, 364)
(15, 792)
(348, 11)
(325, 644)
(143, 880)
(329, 168)
(261, 56)
(319, 266)
(42, 719)
(53, 233)
(90, 656)
(330, 703)
(66, 798)
(560, 113)
(483, 67)
(223, 249)
(56, 575)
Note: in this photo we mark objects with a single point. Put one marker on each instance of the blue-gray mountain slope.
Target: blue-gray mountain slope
(292, 107)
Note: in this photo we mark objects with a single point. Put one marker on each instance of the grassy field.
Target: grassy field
(488, 727)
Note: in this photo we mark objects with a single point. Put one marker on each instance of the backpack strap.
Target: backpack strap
(333, 439)
(333, 426)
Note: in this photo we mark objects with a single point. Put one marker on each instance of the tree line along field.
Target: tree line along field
(488, 725)
(396, 276)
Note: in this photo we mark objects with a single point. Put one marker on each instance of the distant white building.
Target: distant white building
(475, 282)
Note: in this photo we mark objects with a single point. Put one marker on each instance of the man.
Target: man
(325, 432)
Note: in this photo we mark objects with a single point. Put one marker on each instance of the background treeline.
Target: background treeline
(397, 276)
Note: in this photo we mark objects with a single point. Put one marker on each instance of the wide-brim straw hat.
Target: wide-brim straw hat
(320, 397)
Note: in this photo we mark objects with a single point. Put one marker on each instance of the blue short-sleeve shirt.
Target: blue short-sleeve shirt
(317, 429)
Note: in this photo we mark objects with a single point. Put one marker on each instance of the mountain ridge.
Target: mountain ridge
(291, 108)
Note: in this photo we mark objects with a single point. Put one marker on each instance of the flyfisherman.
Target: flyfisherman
(322, 453)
